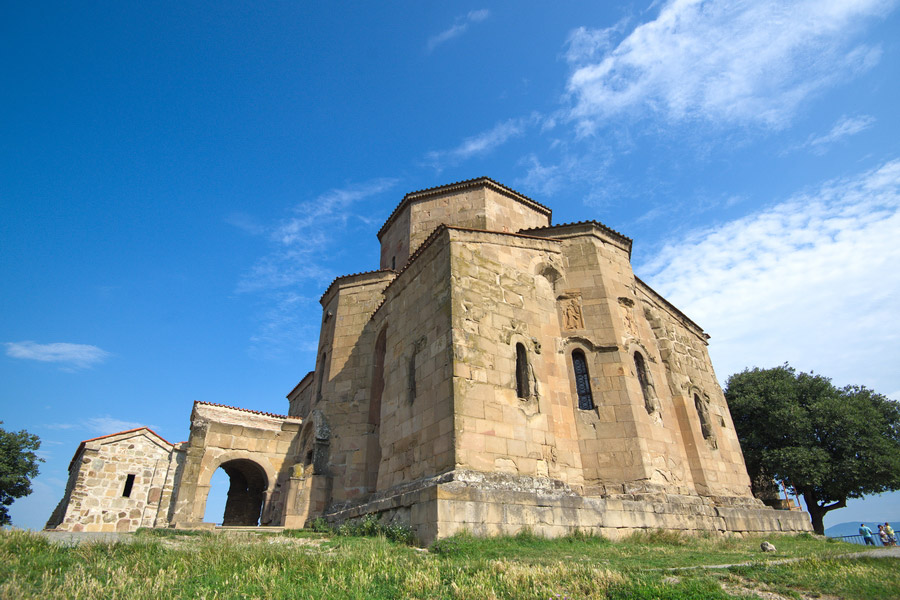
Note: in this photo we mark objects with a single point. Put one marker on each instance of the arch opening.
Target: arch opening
(247, 484)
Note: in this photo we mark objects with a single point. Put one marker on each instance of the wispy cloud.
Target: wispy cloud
(844, 128)
(71, 356)
(300, 252)
(727, 62)
(100, 425)
(304, 235)
(482, 143)
(459, 27)
(812, 280)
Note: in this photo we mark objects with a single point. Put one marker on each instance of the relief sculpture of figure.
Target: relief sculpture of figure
(572, 314)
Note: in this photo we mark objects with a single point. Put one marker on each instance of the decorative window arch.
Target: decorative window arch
(582, 380)
(523, 386)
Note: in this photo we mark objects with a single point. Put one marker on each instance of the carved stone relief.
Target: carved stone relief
(570, 305)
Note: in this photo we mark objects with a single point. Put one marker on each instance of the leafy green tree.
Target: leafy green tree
(828, 444)
(18, 465)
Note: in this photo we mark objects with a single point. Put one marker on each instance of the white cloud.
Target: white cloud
(727, 62)
(304, 235)
(107, 424)
(584, 45)
(459, 27)
(812, 280)
(300, 251)
(100, 425)
(72, 356)
(480, 144)
(845, 127)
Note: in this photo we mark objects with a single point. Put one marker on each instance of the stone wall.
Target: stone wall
(118, 483)
(255, 449)
(416, 411)
(503, 301)
(710, 439)
(347, 342)
(477, 204)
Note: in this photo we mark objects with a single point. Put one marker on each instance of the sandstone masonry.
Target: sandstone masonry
(497, 373)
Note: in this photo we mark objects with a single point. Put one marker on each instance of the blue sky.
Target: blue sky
(179, 182)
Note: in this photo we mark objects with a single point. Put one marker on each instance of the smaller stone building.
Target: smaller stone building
(119, 482)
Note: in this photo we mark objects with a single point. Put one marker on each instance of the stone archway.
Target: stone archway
(246, 492)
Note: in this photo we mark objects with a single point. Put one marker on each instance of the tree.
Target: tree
(18, 464)
(826, 444)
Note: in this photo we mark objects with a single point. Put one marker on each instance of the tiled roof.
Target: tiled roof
(336, 279)
(247, 410)
(461, 185)
(590, 222)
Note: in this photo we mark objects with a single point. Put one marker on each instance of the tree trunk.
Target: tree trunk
(817, 517)
(817, 511)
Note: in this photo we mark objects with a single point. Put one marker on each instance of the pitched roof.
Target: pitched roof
(459, 185)
(247, 410)
(109, 435)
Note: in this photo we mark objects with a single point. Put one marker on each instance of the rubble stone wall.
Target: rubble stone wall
(97, 501)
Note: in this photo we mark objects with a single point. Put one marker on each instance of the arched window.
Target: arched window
(641, 371)
(705, 421)
(582, 381)
(523, 389)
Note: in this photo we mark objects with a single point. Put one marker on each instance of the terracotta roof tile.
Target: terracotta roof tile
(589, 222)
(336, 279)
(256, 412)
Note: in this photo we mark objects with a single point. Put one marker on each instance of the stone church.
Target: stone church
(495, 373)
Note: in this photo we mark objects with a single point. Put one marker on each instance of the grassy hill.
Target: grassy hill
(312, 565)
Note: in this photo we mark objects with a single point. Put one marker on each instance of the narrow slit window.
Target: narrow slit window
(703, 413)
(321, 377)
(522, 385)
(641, 371)
(582, 381)
(129, 483)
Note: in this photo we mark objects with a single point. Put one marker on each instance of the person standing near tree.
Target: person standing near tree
(867, 534)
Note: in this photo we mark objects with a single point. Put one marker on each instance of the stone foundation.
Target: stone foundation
(487, 504)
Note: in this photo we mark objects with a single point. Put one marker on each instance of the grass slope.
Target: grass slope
(309, 565)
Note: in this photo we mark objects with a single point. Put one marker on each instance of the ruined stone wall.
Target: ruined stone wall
(709, 436)
(504, 304)
(96, 501)
(416, 412)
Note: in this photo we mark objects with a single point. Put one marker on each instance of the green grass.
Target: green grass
(317, 565)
